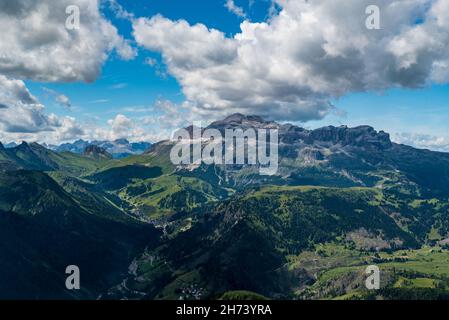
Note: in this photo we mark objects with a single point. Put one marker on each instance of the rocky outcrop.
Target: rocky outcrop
(96, 152)
(362, 136)
(243, 122)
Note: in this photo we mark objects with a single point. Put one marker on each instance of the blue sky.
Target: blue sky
(423, 111)
(133, 84)
(411, 112)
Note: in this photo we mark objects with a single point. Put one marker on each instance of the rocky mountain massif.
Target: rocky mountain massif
(120, 148)
(141, 228)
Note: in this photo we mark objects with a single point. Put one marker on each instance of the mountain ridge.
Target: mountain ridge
(119, 148)
(225, 228)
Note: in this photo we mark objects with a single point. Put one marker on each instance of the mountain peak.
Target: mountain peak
(121, 141)
(96, 152)
(240, 118)
(361, 136)
(243, 121)
(23, 146)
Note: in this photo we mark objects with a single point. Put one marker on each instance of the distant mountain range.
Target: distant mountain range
(120, 148)
(343, 198)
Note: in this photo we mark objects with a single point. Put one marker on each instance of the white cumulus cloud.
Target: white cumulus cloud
(309, 53)
(423, 141)
(38, 46)
(21, 111)
(232, 7)
(23, 117)
(60, 98)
